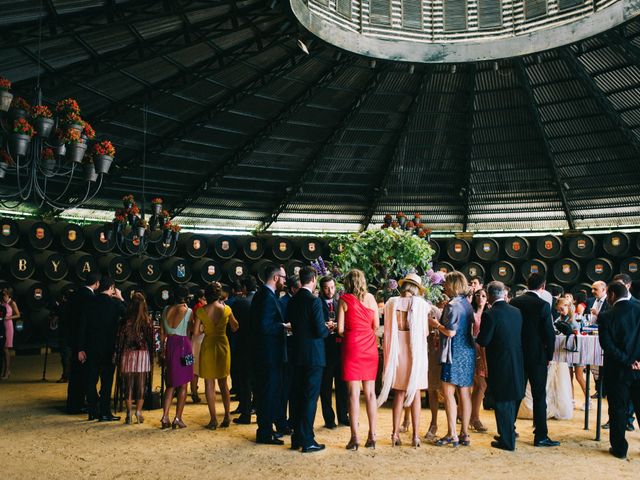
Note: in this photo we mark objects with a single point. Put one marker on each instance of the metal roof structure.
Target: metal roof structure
(245, 130)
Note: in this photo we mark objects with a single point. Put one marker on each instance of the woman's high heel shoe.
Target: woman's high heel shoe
(127, 419)
(448, 441)
(212, 425)
(164, 421)
(225, 423)
(465, 440)
(139, 417)
(415, 443)
(395, 440)
(370, 443)
(178, 423)
(353, 444)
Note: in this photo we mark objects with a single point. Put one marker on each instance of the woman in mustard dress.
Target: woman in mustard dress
(215, 354)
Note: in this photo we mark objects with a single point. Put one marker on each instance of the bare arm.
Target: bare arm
(342, 308)
(15, 310)
(233, 323)
(370, 303)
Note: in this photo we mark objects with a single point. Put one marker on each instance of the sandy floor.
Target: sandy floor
(38, 441)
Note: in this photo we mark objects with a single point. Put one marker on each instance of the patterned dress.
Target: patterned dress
(458, 353)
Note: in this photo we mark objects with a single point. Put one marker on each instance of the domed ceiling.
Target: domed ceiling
(244, 130)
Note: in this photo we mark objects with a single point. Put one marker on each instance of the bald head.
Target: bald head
(599, 289)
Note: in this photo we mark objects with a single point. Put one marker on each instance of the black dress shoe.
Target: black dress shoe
(501, 446)
(630, 427)
(605, 426)
(108, 418)
(316, 447)
(546, 442)
(330, 426)
(269, 441)
(93, 416)
(497, 438)
(242, 420)
(615, 454)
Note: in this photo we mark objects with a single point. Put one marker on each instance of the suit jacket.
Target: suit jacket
(309, 330)
(619, 336)
(538, 335)
(242, 312)
(78, 311)
(97, 334)
(591, 301)
(267, 329)
(501, 335)
(332, 341)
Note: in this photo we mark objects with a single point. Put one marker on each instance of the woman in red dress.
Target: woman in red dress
(357, 323)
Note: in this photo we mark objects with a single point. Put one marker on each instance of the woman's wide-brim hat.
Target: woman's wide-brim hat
(414, 279)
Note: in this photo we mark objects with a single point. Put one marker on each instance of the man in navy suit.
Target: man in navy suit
(268, 333)
(619, 336)
(309, 331)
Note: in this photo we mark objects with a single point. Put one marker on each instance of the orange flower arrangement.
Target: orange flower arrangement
(5, 84)
(20, 104)
(67, 106)
(22, 127)
(105, 147)
(47, 154)
(41, 111)
(88, 131)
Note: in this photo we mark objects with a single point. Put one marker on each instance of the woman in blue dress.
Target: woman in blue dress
(457, 356)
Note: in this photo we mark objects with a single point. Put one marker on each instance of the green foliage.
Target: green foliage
(381, 254)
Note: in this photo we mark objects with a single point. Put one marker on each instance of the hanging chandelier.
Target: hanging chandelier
(39, 147)
(134, 234)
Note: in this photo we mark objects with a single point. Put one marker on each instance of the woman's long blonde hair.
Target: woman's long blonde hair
(356, 284)
(457, 283)
(562, 301)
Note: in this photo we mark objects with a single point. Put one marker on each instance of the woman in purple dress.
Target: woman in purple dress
(178, 357)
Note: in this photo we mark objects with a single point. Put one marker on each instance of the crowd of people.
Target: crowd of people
(293, 342)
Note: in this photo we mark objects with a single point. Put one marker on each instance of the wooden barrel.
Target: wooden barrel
(581, 286)
(282, 248)
(159, 294)
(311, 248)
(19, 263)
(9, 232)
(582, 246)
(32, 329)
(128, 289)
(39, 234)
(616, 244)
(631, 266)
(458, 250)
(518, 289)
(253, 247)
(436, 249)
(177, 269)
(70, 235)
(551, 286)
(292, 267)
(33, 293)
(442, 266)
(516, 248)
(235, 269)
(147, 268)
(533, 266)
(259, 268)
(194, 245)
(225, 246)
(599, 269)
(82, 264)
(566, 270)
(116, 266)
(101, 237)
(549, 247)
(58, 289)
(207, 270)
(53, 264)
(487, 249)
(473, 269)
(157, 248)
(503, 271)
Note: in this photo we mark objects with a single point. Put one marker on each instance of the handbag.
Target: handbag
(567, 330)
(186, 360)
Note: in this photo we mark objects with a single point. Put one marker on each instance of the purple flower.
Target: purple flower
(436, 278)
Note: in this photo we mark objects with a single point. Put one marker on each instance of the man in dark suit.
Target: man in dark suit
(333, 371)
(619, 336)
(79, 308)
(283, 422)
(97, 345)
(538, 344)
(242, 311)
(268, 331)
(501, 335)
(309, 331)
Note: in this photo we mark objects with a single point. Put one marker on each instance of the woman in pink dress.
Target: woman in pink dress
(479, 304)
(357, 323)
(12, 313)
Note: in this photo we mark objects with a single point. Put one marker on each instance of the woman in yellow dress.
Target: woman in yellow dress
(215, 355)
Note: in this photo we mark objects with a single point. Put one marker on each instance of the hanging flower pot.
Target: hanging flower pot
(157, 208)
(102, 163)
(3, 169)
(49, 165)
(5, 100)
(75, 152)
(61, 149)
(20, 143)
(43, 126)
(141, 231)
(90, 174)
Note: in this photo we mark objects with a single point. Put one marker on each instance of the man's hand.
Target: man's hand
(635, 365)
(287, 326)
(82, 357)
(118, 294)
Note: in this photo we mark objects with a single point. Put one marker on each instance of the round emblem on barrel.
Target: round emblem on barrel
(196, 244)
(473, 271)
(581, 244)
(486, 247)
(102, 237)
(39, 233)
(633, 267)
(534, 269)
(72, 235)
(312, 247)
(598, 268)
(282, 246)
(296, 270)
(457, 247)
(515, 246)
(164, 294)
(548, 245)
(566, 268)
(225, 245)
(253, 246)
(211, 270)
(6, 229)
(502, 271)
(37, 293)
(239, 270)
(615, 241)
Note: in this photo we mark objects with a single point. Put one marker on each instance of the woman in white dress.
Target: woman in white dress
(405, 353)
